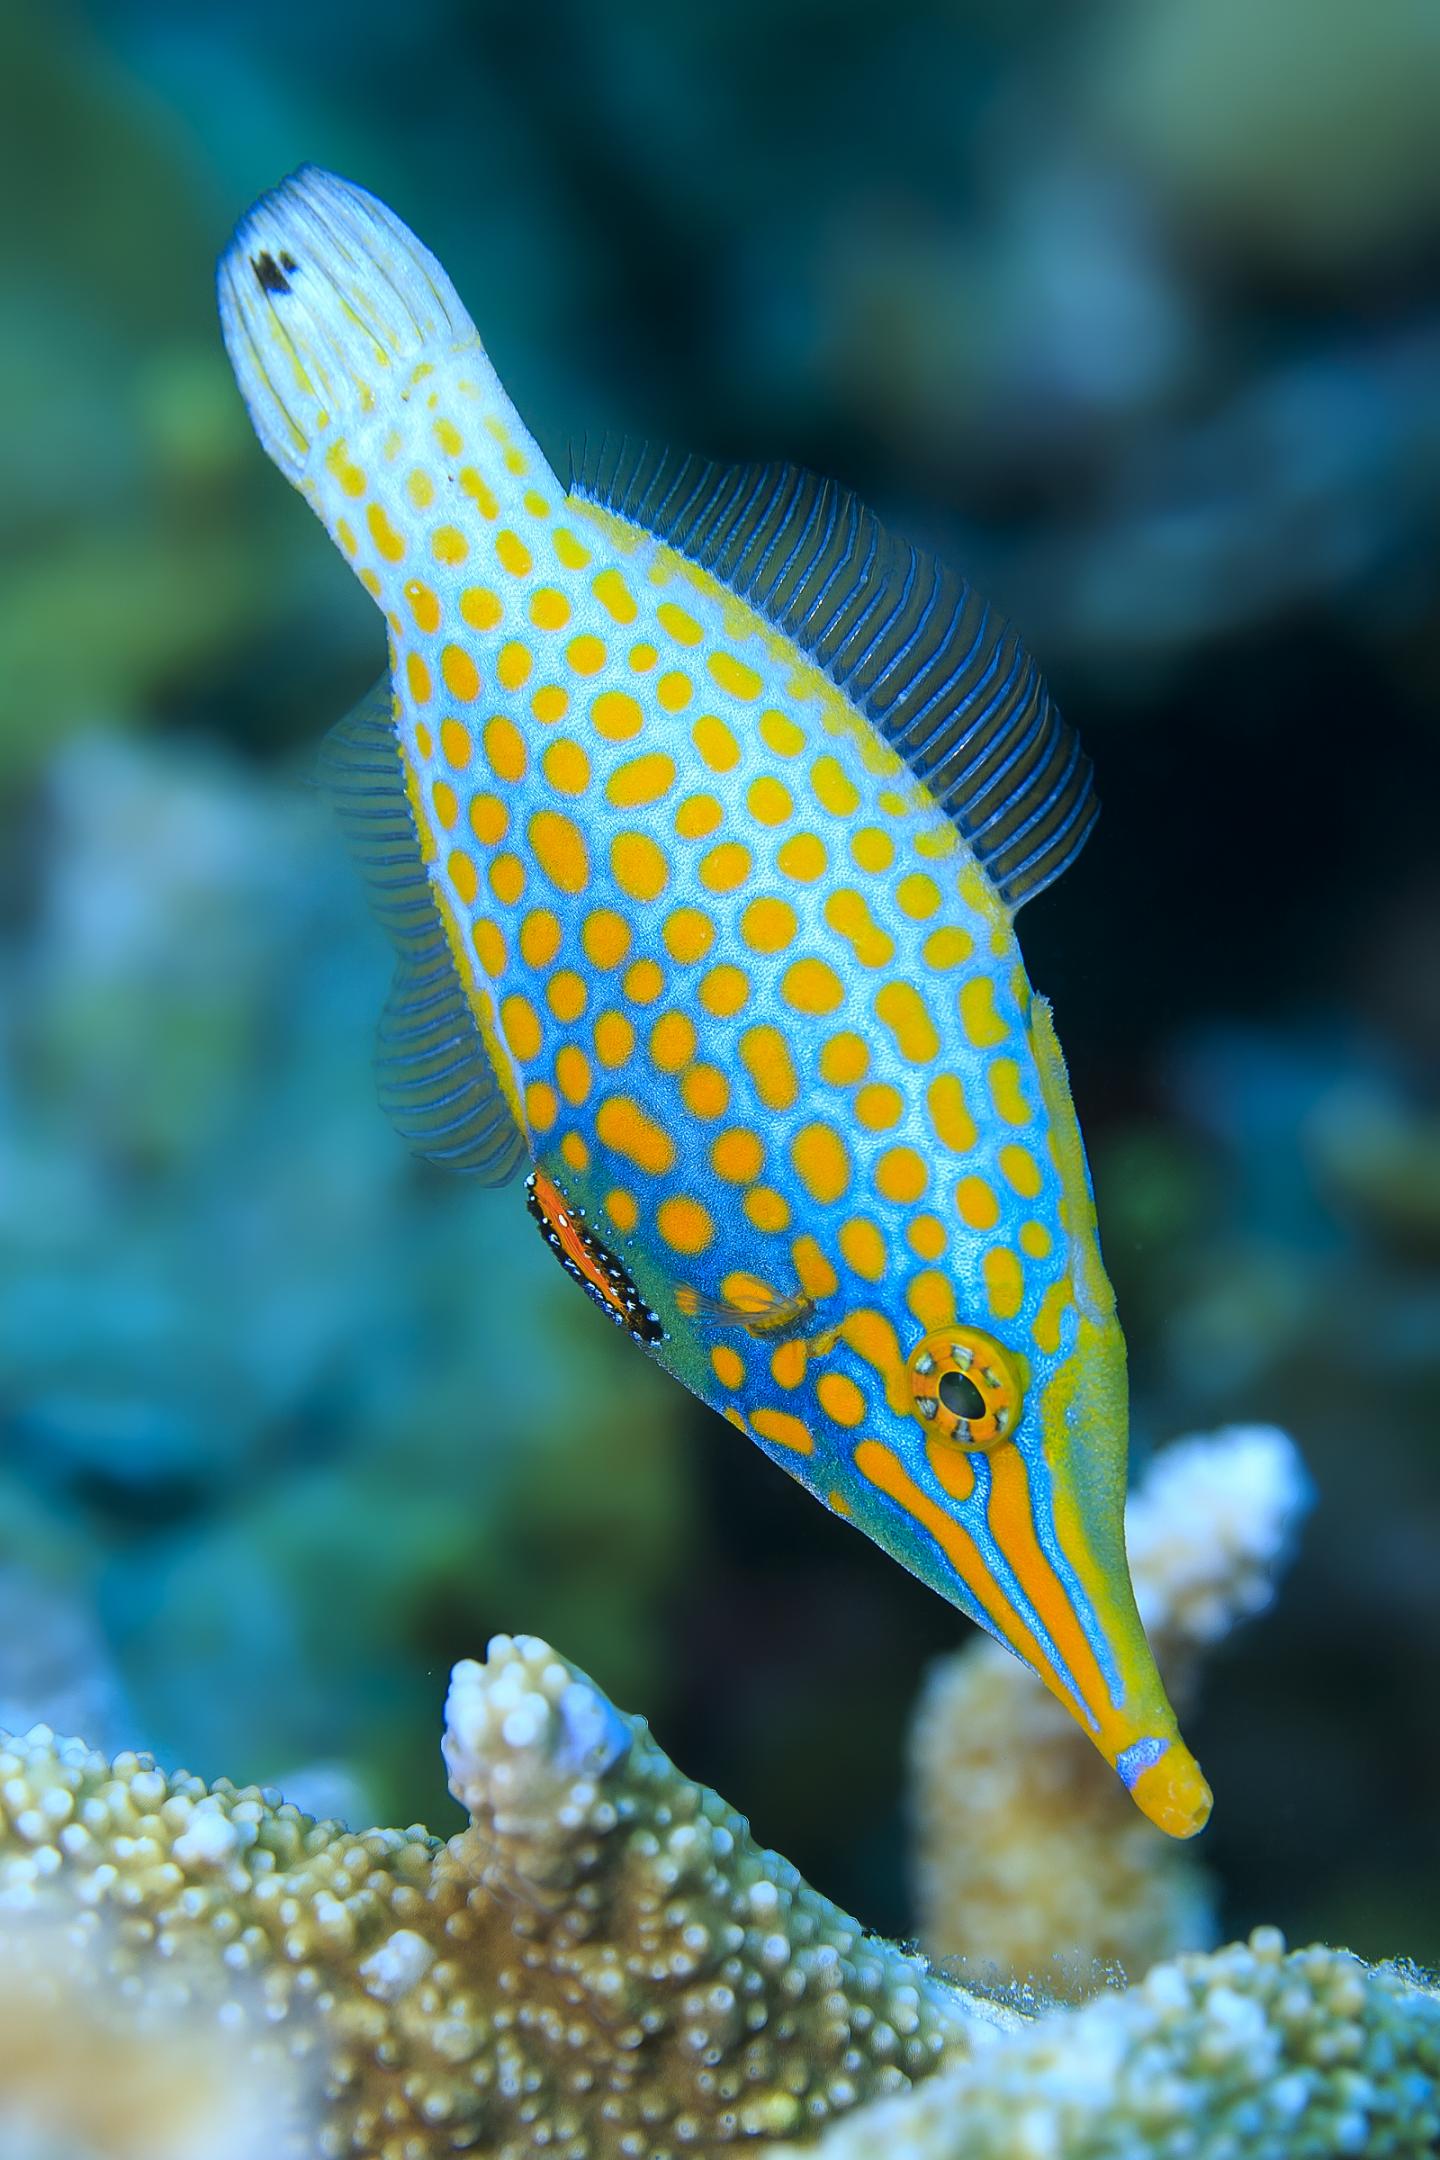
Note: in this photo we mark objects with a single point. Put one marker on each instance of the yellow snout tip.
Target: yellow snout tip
(1172, 1793)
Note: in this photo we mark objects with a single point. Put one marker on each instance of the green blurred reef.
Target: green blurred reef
(1135, 312)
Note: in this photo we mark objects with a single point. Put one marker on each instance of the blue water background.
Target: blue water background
(1133, 310)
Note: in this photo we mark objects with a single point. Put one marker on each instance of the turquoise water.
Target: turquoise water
(290, 1423)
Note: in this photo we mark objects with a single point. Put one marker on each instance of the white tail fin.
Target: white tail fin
(322, 293)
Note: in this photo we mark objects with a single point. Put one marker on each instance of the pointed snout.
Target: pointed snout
(1167, 1785)
(1090, 1648)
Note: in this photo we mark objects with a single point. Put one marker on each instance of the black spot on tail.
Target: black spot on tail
(269, 275)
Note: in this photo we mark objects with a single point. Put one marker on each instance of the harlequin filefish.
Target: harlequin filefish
(699, 808)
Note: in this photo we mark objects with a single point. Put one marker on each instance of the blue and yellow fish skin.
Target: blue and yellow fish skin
(757, 1011)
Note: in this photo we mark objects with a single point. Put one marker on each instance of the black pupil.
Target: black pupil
(960, 1396)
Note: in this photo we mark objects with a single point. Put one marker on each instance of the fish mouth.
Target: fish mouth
(1166, 1784)
(1089, 1646)
(1037, 1588)
(1121, 1706)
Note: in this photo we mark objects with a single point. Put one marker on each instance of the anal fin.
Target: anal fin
(437, 1084)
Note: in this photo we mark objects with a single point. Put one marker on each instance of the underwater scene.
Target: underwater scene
(718, 1115)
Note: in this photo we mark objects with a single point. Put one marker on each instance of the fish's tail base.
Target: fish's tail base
(324, 294)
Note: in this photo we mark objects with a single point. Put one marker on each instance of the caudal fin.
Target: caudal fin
(323, 293)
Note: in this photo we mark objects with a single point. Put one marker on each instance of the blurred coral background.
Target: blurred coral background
(1133, 310)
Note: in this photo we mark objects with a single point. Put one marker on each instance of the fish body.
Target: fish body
(687, 931)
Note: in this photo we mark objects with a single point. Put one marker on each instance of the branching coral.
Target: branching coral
(1029, 1858)
(160, 2070)
(605, 1966)
(1245, 2054)
(604, 1963)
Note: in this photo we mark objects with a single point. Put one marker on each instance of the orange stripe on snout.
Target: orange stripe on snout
(883, 1469)
(1013, 1526)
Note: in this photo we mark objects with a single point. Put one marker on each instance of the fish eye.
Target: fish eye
(967, 1387)
(960, 1396)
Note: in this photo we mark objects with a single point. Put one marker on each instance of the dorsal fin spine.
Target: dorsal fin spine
(1078, 811)
(988, 671)
(837, 567)
(896, 614)
(1007, 767)
(873, 670)
(743, 504)
(745, 501)
(690, 513)
(839, 513)
(964, 761)
(865, 599)
(805, 544)
(1061, 839)
(1055, 791)
(1082, 817)
(783, 512)
(784, 509)
(991, 718)
(943, 678)
(889, 617)
(904, 729)
(998, 692)
(797, 543)
(662, 507)
(978, 785)
(731, 515)
(983, 654)
(874, 688)
(680, 515)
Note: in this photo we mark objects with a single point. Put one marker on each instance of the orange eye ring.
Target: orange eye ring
(967, 1387)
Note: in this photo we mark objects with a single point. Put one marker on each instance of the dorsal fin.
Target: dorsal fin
(936, 670)
(437, 1085)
